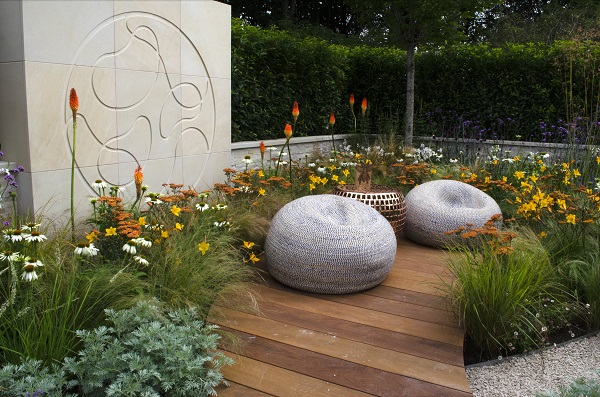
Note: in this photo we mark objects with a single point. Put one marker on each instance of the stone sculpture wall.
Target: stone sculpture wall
(153, 80)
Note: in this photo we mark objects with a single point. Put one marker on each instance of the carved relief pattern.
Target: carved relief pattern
(136, 107)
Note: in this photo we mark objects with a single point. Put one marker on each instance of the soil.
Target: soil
(473, 355)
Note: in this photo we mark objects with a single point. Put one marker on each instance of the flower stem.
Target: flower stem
(73, 177)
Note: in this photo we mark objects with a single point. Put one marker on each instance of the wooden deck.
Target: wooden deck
(397, 339)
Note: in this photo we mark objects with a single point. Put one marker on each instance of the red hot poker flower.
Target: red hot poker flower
(138, 178)
(364, 106)
(332, 119)
(262, 148)
(295, 111)
(352, 100)
(288, 131)
(73, 102)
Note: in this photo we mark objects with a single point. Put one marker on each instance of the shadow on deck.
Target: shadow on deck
(397, 339)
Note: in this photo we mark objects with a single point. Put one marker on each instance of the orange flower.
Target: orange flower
(288, 131)
(295, 111)
(262, 148)
(364, 106)
(352, 100)
(331, 119)
(73, 102)
(138, 178)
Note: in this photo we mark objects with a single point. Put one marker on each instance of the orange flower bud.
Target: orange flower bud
(138, 178)
(288, 131)
(73, 102)
(364, 106)
(331, 119)
(352, 100)
(262, 148)
(295, 111)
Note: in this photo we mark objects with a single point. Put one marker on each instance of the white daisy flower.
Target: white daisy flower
(141, 260)
(29, 267)
(9, 256)
(16, 236)
(99, 184)
(86, 249)
(30, 227)
(143, 242)
(35, 236)
(220, 207)
(91, 250)
(153, 200)
(202, 206)
(130, 247)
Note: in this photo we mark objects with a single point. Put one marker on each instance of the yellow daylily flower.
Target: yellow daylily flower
(179, 226)
(261, 191)
(175, 210)
(203, 247)
(142, 221)
(570, 218)
(111, 231)
(519, 174)
(91, 236)
(164, 234)
(253, 258)
(248, 244)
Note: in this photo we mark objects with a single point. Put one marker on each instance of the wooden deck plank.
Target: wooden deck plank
(344, 373)
(397, 339)
(406, 296)
(424, 369)
(281, 382)
(409, 326)
(422, 347)
(380, 304)
(233, 389)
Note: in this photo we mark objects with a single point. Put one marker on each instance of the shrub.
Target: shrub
(32, 377)
(149, 351)
(506, 295)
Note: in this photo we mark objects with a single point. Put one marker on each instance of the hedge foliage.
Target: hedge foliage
(521, 84)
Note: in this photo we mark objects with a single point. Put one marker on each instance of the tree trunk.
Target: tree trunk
(409, 114)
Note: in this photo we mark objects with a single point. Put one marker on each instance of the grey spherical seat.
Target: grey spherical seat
(436, 207)
(329, 244)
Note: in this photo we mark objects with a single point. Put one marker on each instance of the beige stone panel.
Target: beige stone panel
(208, 25)
(148, 41)
(50, 118)
(222, 92)
(47, 194)
(148, 114)
(13, 114)
(198, 115)
(11, 31)
(205, 170)
(61, 31)
(156, 173)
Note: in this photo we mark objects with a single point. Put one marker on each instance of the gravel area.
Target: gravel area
(526, 375)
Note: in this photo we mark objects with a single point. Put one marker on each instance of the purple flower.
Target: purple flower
(21, 168)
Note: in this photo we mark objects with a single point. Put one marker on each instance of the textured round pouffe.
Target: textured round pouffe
(436, 207)
(329, 244)
(388, 201)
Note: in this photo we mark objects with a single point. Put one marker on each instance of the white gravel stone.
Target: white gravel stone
(540, 371)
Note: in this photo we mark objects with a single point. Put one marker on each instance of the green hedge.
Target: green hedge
(502, 92)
